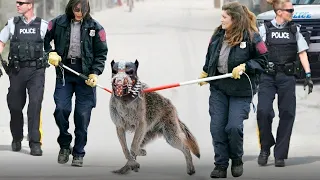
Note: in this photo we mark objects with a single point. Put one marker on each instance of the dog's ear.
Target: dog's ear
(112, 63)
(136, 63)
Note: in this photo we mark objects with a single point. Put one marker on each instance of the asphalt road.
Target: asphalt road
(169, 38)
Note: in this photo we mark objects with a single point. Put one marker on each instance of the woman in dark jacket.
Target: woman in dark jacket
(235, 46)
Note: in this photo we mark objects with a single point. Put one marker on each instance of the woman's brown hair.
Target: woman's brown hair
(84, 7)
(242, 20)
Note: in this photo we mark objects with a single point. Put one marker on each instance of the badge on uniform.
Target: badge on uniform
(243, 45)
(92, 33)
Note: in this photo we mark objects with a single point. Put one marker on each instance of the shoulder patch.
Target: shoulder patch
(261, 47)
(49, 25)
(102, 35)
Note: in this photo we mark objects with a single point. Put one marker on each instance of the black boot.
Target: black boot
(219, 172)
(77, 161)
(16, 146)
(279, 163)
(35, 150)
(63, 156)
(237, 167)
(263, 157)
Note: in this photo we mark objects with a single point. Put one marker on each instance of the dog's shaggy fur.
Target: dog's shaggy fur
(149, 115)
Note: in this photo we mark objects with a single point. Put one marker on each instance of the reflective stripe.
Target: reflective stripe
(40, 128)
(258, 133)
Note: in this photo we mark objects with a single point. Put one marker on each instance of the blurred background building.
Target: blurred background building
(256, 6)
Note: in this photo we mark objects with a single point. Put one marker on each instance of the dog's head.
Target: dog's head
(124, 77)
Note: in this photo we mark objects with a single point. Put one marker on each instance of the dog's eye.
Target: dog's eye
(130, 72)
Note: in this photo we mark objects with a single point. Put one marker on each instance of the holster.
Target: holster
(271, 69)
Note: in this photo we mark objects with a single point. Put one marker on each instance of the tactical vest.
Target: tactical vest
(26, 43)
(281, 43)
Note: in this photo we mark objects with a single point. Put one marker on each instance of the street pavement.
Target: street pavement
(169, 38)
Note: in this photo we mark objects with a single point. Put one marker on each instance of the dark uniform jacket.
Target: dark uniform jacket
(254, 55)
(93, 45)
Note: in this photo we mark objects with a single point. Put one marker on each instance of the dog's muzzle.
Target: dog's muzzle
(121, 85)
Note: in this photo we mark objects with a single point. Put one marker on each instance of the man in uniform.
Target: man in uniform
(80, 43)
(26, 70)
(284, 41)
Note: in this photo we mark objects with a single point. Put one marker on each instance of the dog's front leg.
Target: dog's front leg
(131, 163)
(123, 142)
(138, 138)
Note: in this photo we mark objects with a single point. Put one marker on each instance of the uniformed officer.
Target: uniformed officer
(284, 41)
(80, 43)
(26, 70)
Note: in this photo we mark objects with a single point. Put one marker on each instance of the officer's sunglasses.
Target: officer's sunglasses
(288, 10)
(22, 3)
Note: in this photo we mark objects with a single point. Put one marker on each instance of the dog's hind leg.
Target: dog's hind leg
(131, 163)
(151, 135)
(172, 136)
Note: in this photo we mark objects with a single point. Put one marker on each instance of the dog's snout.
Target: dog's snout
(119, 81)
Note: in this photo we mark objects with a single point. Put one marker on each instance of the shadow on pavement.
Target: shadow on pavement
(8, 148)
(294, 161)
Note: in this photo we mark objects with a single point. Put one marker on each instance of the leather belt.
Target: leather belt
(27, 64)
(73, 60)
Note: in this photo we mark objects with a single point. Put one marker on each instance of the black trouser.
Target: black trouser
(32, 80)
(85, 100)
(285, 87)
(227, 115)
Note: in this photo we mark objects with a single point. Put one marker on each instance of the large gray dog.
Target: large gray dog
(149, 115)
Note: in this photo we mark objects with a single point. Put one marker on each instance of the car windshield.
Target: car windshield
(298, 2)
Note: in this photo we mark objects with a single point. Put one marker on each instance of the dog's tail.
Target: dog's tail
(190, 140)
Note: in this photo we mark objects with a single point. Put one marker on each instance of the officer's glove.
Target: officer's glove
(237, 70)
(54, 58)
(308, 82)
(92, 81)
(203, 75)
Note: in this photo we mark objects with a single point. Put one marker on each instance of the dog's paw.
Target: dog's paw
(124, 170)
(191, 170)
(142, 152)
(134, 165)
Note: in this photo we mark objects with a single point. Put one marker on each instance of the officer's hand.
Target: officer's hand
(203, 75)
(236, 71)
(92, 81)
(54, 58)
(308, 82)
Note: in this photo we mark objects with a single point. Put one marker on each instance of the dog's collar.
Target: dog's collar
(136, 89)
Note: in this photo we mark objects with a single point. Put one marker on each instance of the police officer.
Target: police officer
(80, 43)
(26, 70)
(284, 41)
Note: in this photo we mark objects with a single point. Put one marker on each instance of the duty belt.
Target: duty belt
(28, 64)
(279, 67)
